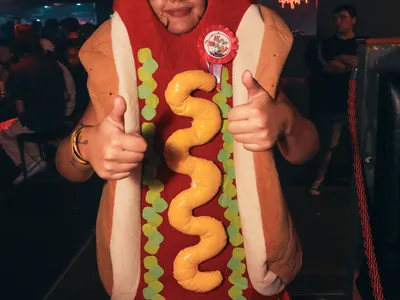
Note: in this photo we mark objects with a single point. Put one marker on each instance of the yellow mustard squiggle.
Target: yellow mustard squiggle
(205, 175)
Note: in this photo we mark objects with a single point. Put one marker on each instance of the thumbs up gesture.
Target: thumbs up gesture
(111, 152)
(260, 123)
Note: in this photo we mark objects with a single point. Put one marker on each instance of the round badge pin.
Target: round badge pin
(218, 45)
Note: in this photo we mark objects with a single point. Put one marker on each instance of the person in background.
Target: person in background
(52, 32)
(37, 84)
(70, 92)
(337, 57)
(86, 31)
(37, 27)
(71, 28)
(78, 72)
(7, 59)
(72, 48)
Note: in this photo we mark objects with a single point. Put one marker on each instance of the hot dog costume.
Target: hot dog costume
(218, 205)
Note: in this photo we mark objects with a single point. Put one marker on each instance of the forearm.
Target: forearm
(68, 167)
(302, 144)
(336, 67)
(348, 60)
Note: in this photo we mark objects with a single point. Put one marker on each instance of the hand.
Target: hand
(262, 121)
(111, 152)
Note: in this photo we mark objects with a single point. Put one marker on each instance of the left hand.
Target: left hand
(259, 123)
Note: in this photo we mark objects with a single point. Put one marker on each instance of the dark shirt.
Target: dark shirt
(334, 92)
(39, 83)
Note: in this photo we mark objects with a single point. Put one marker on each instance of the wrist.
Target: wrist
(83, 143)
(79, 146)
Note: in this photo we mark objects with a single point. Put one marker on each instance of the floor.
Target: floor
(49, 248)
(324, 227)
(42, 226)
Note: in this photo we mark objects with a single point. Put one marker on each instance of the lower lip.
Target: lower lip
(179, 13)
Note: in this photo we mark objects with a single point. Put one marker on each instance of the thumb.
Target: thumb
(117, 115)
(252, 85)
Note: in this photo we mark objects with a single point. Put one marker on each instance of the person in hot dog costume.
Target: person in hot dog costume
(184, 112)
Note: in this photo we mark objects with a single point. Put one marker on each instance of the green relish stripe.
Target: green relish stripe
(228, 199)
(156, 204)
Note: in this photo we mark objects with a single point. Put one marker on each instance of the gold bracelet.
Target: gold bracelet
(76, 154)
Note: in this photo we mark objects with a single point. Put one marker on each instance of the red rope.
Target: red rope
(362, 198)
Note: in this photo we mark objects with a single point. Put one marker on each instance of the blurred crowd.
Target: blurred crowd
(42, 86)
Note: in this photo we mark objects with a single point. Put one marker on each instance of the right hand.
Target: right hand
(111, 152)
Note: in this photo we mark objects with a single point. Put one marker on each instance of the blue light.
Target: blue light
(79, 4)
(46, 6)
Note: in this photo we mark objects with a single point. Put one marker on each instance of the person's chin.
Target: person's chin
(180, 29)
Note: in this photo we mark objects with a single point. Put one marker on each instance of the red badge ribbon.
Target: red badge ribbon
(218, 45)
